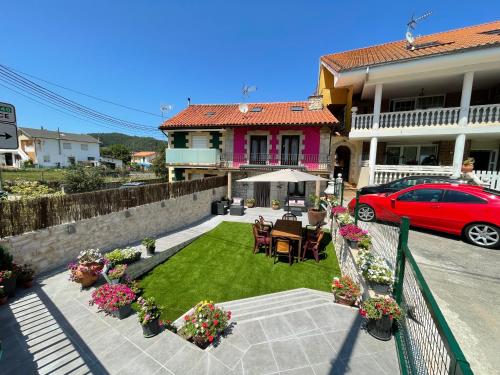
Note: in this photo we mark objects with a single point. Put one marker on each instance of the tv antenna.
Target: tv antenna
(165, 108)
(245, 93)
(410, 27)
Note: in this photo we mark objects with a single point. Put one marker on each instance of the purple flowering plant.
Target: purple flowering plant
(148, 310)
(110, 297)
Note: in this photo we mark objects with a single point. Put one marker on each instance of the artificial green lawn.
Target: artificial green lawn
(221, 266)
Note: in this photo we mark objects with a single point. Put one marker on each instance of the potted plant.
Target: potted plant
(25, 275)
(317, 213)
(337, 210)
(380, 313)
(123, 256)
(365, 243)
(205, 323)
(3, 296)
(345, 290)
(468, 165)
(250, 202)
(275, 203)
(117, 273)
(87, 269)
(113, 299)
(149, 316)
(344, 219)
(150, 245)
(8, 281)
(352, 234)
(375, 271)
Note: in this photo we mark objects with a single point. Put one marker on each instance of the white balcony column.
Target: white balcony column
(377, 102)
(458, 154)
(230, 185)
(463, 117)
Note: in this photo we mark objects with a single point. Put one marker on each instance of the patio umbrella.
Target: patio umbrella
(285, 175)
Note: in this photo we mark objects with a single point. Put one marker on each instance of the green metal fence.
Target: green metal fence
(424, 340)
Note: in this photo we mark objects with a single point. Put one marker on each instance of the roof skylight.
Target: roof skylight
(491, 32)
(256, 109)
(209, 114)
(297, 108)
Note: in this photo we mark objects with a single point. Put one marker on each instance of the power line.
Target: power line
(78, 117)
(44, 94)
(84, 94)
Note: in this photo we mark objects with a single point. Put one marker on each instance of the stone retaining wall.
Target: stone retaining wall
(53, 247)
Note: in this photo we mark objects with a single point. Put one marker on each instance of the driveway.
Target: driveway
(465, 280)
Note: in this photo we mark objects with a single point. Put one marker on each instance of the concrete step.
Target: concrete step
(231, 305)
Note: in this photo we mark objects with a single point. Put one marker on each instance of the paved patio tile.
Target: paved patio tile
(201, 367)
(300, 321)
(144, 342)
(215, 367)
(363, 366)
(119, 356)
(348, 343)
(142, 364)
(252, 331)
(185, 359)
(299, 371)
(288, 354)
(238, 369)
(323, 316)
(276, 327)
(105, 342)
(227, 353)
(259, 360)
(166, 347)
(388, 361)
(317, 349)
(236, 339)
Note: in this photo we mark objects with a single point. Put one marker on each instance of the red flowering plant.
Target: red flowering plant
(377, 307)
(205, 323)
(110, 297)
(352, 232)
(345, 288)
(337, 210)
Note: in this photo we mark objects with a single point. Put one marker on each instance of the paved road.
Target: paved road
(465, 280)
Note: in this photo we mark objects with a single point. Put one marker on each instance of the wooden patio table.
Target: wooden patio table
(287, 229)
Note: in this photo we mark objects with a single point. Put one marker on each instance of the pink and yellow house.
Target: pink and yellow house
(219, 139)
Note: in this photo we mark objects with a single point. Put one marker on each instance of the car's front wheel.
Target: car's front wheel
(366, 213)
(485, 235)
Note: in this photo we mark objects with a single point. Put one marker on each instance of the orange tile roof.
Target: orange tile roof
(139, 154)
(448, 42)
(228, 115)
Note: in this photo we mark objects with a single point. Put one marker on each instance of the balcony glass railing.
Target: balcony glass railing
(193, 156)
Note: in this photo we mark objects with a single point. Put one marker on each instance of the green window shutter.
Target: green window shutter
(179, 174)
(180, 139)
(216, 139)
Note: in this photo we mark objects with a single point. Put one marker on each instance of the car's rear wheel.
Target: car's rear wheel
(485, 235)
(366, 213)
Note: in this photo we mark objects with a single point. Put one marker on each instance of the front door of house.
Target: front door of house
(290, 149)
(258, 149)
(262, 192)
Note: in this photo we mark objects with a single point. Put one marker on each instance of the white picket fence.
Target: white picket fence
(387, 173)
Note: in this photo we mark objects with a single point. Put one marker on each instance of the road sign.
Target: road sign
(8, 127)
(7, 113)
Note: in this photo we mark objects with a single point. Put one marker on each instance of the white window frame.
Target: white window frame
(84, 146)
(402, 146)
(65, 144)
(415, 100)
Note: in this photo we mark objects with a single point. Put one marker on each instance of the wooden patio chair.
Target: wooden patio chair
(261, 238)
(289, 216)
(312, 232)
(313, 245)
(266, 225)
(282, 247)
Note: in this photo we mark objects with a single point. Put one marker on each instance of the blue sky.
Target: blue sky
(145, 53)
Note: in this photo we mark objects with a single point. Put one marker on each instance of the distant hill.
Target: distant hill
(133, 143)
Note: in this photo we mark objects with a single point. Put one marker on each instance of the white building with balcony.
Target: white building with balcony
(419, 108)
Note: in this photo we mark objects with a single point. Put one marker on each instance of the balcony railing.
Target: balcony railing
(318, 162)
(478, 115)
(193, 157)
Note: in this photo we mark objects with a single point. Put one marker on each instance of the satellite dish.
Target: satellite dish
(243, 107)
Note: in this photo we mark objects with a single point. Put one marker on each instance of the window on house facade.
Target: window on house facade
(84, 147)
(67, 146)
(411, 155)
(72, 160)
(90, 158)
(258, 149)
(46, 158)
(297, 189)
(417, 102)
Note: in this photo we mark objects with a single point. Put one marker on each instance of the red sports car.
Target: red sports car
(466, 210)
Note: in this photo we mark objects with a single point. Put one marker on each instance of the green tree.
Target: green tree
(80, 179)
(117, 151)
(158, 164)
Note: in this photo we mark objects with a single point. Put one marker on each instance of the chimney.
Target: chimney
(189, 102)
(315, 102)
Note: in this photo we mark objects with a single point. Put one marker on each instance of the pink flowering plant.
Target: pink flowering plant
(92, 269)
(148, 310)
(110, 297)
(337, 210)
(352, 232)
(117, 272)
(205, 323)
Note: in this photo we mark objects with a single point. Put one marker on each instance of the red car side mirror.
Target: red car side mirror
(393, 203)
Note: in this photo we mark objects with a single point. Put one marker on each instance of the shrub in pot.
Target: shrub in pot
(150, 245)
(317, 213)
(345, 290)
(114, 299)
(375, 270)
(26, 275)
(380, 313)
(117, 273)
(275, 204)
(149, 316)
(205, 323)
(337, 210)
(123, 256)
(344, 219)
(8, 281)
(250, 202)
(3, 296)
(352, 234)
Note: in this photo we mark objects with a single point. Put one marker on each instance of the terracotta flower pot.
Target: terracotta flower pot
(152, 328)
(467, 168)
(86, 277)
(344, 300)
(28, 284)
(250, 205)
(380, 328)
(315, 217)
(276, 206)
